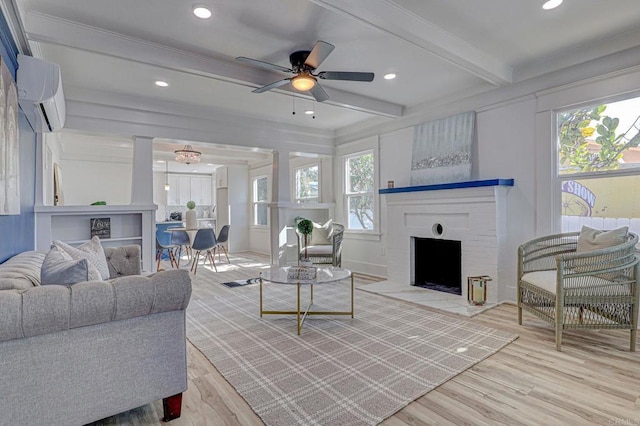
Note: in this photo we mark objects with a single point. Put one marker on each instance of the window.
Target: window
(260, 201)
(599, 165)
(359, 187)
(306, 184)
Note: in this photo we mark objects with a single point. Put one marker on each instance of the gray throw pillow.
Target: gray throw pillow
(92, 251)
(59, 268)
(594, 239)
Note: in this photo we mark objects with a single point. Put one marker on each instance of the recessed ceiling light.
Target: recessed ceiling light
(551, 4)
(309, 112)
(202, 12)
(390, 76)
(161, 83)
(159, 161)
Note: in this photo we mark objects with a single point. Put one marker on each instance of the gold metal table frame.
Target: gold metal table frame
(302, 315)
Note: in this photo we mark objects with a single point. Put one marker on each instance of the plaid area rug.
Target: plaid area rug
(340, 371)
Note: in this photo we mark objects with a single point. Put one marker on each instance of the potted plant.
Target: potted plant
(305, 227)
(191, 217)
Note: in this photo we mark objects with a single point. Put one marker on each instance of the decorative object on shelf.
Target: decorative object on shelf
(305, 226)
(100, 227)
(477, 289)
(187, 155)
(191, 217)
(302, 273)
(390, 184)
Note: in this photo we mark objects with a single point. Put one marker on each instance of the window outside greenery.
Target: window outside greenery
(260, 201)
(599, 165)
(307, 184)
(359, 186)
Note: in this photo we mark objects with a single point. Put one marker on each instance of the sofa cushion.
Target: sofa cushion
(59, 268)
(22, 271)
(322, 233)
(92, 251)
(594, 239)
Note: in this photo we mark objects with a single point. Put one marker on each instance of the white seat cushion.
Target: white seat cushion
(543, 279)
(547, 281)
(320, 250)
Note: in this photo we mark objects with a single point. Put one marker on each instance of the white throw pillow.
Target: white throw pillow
(594, 239)
(92, 251)
(59, 268)
(322, 233)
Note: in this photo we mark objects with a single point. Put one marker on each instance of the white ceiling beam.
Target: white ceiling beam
(390, 18)
(47, 29)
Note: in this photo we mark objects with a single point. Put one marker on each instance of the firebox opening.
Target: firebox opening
(437, 264)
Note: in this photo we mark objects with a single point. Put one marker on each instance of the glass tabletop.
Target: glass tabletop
(288, 274)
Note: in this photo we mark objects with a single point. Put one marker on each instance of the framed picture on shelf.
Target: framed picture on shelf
(101, 226)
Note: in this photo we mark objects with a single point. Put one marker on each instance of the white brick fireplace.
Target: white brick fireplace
(473, 213)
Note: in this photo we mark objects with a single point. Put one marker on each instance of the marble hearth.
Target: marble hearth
(473, 213)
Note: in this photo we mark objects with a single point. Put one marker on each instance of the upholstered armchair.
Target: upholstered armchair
(573, 289)
(323, 246)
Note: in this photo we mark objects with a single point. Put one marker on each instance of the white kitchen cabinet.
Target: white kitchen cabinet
(173, 198)
(196, 190)
(184, 188)
(206, 190)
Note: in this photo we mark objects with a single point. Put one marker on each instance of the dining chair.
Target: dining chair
(160, 248)
(180, 239)
(205, 240)
(223, 237)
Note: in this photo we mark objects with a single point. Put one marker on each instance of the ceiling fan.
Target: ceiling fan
(303, 64)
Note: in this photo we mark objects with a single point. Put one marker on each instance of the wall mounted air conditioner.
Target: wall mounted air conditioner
(40, 93)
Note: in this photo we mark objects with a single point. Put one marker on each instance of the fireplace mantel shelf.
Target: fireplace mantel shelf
(452, 185)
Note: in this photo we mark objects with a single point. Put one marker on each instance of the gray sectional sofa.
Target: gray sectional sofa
(70, 355)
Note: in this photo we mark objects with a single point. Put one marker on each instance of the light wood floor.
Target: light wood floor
(594, 380)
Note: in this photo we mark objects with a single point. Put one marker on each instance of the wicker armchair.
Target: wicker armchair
(327, 254)
(590, 290)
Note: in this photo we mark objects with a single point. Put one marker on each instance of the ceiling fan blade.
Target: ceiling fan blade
(319, 94)
(262, 64)
(345, 75)
(273, 85)
(319, 53)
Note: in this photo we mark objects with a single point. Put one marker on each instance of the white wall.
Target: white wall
(84, 182)
(507, 149)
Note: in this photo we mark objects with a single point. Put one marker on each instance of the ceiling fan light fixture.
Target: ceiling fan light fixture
(187, 155)
(303, 82)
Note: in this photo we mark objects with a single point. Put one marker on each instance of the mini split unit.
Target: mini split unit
(40, 93)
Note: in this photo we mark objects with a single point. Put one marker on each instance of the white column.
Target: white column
(142, 174)
(280, 199)
(142, 194)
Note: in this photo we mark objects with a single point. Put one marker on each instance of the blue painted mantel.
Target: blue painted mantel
(452, 185)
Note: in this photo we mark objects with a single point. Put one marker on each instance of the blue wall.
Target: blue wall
(17, 231)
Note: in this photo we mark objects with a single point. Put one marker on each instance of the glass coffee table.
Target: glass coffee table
(287, 276)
